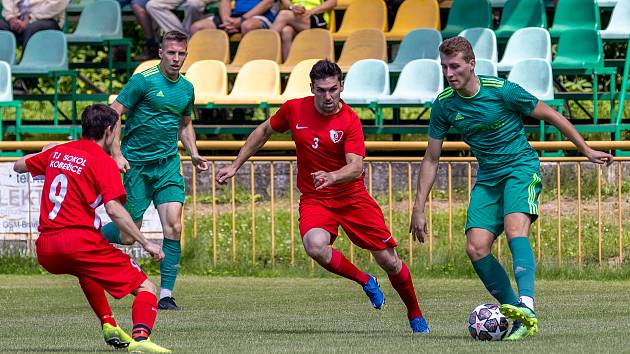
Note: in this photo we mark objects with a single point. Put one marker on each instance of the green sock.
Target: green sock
(111, 232)
(170, 264)
(524, 265)
(495, 279)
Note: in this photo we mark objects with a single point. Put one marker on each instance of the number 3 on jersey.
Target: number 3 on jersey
(60, 182)
(315, 143)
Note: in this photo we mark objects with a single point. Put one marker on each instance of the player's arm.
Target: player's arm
(543, 112)
(426, 177)
(20, 165)
(122, 163)
(352, 170)
(254, 142)
(189, 140)
(122, 219)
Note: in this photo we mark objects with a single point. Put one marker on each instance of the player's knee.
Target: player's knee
(148, 286)
(174, 230)
(476, 252)
(391, 265)
(316, 250)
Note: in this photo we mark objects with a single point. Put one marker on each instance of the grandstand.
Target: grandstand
(573, 54)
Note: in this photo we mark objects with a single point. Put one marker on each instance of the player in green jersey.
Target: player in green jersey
(488, 112)
(158, 103)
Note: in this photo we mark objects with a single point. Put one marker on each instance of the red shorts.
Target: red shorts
(84, 253)
(358, 214)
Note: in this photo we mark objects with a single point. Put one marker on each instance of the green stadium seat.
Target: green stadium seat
(7, 47)
(366, 81)
(467, 14)
(421, 43)
(575, 14)
(484, 43)
(579, 50)
(485, 67)
(526, 43)
(100, 21)
(520, 14)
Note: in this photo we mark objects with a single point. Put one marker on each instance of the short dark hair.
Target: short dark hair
(95, 119)
(176, 36)
(324, 69)
(455, 45)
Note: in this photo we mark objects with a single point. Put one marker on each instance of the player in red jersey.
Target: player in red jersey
(78, 177)
(330, 149)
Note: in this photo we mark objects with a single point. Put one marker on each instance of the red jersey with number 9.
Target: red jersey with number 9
(78, 176)
(321, 143)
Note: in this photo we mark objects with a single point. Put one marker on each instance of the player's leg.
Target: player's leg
(143, 314)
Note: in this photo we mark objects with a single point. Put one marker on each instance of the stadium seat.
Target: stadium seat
(363, 44)
(258, 44)
(420, 82)
(99, 21)
(520, 14)
(414, 14)
(526, 43)
(299, 83)
(485, 67)
(467, 14)
(6, 98)
(313, 43)
(142, 67)
(575, 14)
(497, 3)
(580, 50)
(483, 41)
(421, 43)
(51, 42)
(342, 4)
(209, 44)
(256, 82)
(8, 49)
(535, 76)
(362, 14)
(619, 25)
(607, 3)
(366, 81)
(209, 78)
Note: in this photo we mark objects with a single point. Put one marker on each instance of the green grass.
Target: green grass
(47, 313)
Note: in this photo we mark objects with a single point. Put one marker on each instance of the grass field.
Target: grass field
(45, 313)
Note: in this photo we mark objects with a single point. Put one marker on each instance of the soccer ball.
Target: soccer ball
(486, 322)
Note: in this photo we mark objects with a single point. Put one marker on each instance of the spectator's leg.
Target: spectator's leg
(250, 25)
(162, 13)
(146, 23)
(206, 23)
(4, 25)
(193, 11)
(286, 36)
(283, 18)
(37, 26)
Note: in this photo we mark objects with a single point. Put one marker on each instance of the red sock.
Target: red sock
(143, 313)
(341, 266)
(95, 295)
(403, 284)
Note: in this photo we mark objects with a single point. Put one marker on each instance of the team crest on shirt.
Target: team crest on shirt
(336, 135)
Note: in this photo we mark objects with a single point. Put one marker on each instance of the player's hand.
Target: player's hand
(598, 157)
(155, 251)
(225, 173)
(418, 225)
(200, 163)
(121, 161)
(323, 179)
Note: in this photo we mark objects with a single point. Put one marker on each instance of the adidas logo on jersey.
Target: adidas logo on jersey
(160, 94)
(459, 116)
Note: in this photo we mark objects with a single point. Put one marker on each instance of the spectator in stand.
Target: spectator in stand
(138, 7)
(298, 16)
(25, 17)
(162, 13)
(246, 16)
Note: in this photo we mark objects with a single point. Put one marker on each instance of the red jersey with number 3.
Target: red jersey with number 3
(79, 176)
(321, 143)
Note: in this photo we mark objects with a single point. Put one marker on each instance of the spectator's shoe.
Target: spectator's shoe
(148, 53)
(19, 87)
(373, 291)
(146, 346)
(419, 325)
(520, 331)
(167, 303)
(522, 314)
(115, 336)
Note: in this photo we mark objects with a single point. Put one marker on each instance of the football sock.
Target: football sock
(95, 295)
(524, 265)
(495, 279)
(170, 264)
(403, 284)
(527, 301)
(111, 232)
(165, 293)
(143, 313)
(341, 266)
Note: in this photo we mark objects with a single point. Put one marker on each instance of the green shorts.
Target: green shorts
(491, 201)
(158, 182)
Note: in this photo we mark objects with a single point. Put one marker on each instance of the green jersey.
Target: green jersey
(491, 124)
(155, 106)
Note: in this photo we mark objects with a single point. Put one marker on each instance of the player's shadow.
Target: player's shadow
(54, 350)
(312, 331)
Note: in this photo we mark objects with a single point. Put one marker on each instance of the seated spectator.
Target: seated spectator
(298, 16)
(246, 16)
(138, 7)
(162, 13)
(25, 17)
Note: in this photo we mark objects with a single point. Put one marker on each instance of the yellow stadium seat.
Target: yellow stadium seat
(299, 84)
(209, 44)
(342, 4)
(363, 44)
(142, 67)
(314, 43)
(362, 14)
(209, 78)
(256, 82)
(257, 44)
(414, 14)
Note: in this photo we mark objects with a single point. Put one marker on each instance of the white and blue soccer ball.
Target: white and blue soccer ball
(486, 322)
